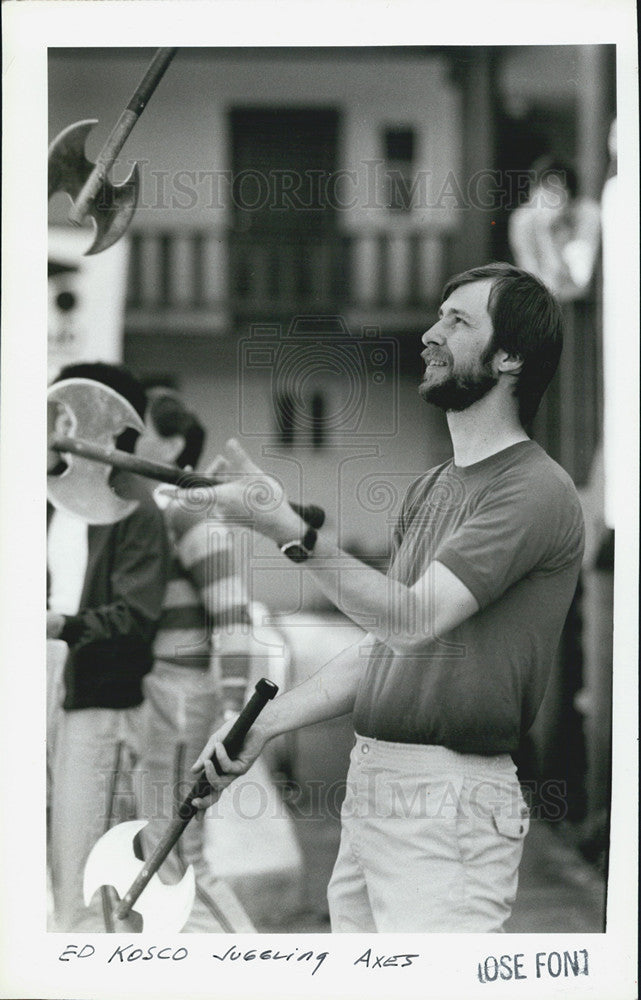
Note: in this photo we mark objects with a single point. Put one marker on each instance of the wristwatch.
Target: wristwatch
(300, 549)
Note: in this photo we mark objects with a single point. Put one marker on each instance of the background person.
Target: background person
(105, 591)
(202, 663)
(555, 234)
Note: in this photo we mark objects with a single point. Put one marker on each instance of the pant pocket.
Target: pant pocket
(510, 823)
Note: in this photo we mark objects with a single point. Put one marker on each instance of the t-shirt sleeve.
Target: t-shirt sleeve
(519, 527)
(412, 502)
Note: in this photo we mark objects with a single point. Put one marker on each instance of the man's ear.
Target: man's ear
(509, 363)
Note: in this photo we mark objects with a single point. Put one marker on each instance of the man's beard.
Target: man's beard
(457, 392)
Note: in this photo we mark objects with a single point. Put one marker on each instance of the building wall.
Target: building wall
(181, 140)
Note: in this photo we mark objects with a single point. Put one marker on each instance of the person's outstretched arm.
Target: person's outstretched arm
(404, 618)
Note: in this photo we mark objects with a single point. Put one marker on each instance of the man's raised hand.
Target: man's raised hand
(244, 493)
(234, 464)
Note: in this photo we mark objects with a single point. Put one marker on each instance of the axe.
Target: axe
(112, 862)
(71, 171)
(92, 415)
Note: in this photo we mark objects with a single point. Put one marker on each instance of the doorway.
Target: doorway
(285, 251)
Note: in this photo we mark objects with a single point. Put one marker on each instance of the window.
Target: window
(399, 147)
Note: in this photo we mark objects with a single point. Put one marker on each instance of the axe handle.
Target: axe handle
(119, 134)
(264, 691)
(313, 515)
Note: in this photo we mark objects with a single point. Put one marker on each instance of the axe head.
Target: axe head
(83, 408)
(113, 208)
(164, 908)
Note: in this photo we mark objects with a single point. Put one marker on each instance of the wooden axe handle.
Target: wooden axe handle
(264, 691)
(119, 133)
(313, 515)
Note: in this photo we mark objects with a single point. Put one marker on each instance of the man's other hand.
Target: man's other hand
(252, 748)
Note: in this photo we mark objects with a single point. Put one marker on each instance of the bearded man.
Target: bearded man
(486, 556)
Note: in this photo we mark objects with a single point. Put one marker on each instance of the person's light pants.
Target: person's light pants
(179, 714)
(431, 841)
(92, 758)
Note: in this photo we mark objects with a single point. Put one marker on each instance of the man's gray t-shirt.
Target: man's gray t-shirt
(511, 529)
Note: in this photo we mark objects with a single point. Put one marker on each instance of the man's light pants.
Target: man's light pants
(431, 841)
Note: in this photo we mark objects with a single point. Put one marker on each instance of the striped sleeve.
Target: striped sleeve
(211, 554)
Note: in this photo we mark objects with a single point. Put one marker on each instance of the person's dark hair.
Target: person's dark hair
(118, 378)
(548, 165)
(527, 323)
(170, 416)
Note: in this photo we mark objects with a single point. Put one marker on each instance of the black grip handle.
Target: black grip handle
(233, 741)
(313, 515)
(264, 691)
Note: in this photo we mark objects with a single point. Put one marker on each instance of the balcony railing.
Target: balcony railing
(216, 278)
(213, 283)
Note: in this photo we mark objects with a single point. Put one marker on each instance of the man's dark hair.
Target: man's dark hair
(170, 416)
(118, 378)
(527, 323)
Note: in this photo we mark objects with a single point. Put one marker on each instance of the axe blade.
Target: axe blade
(98, 413)
(113, 210)
(164, 908)
(69, 169)
(97, 502)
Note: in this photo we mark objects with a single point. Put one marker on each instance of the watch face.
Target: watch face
(295, 551)
(300, 549)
